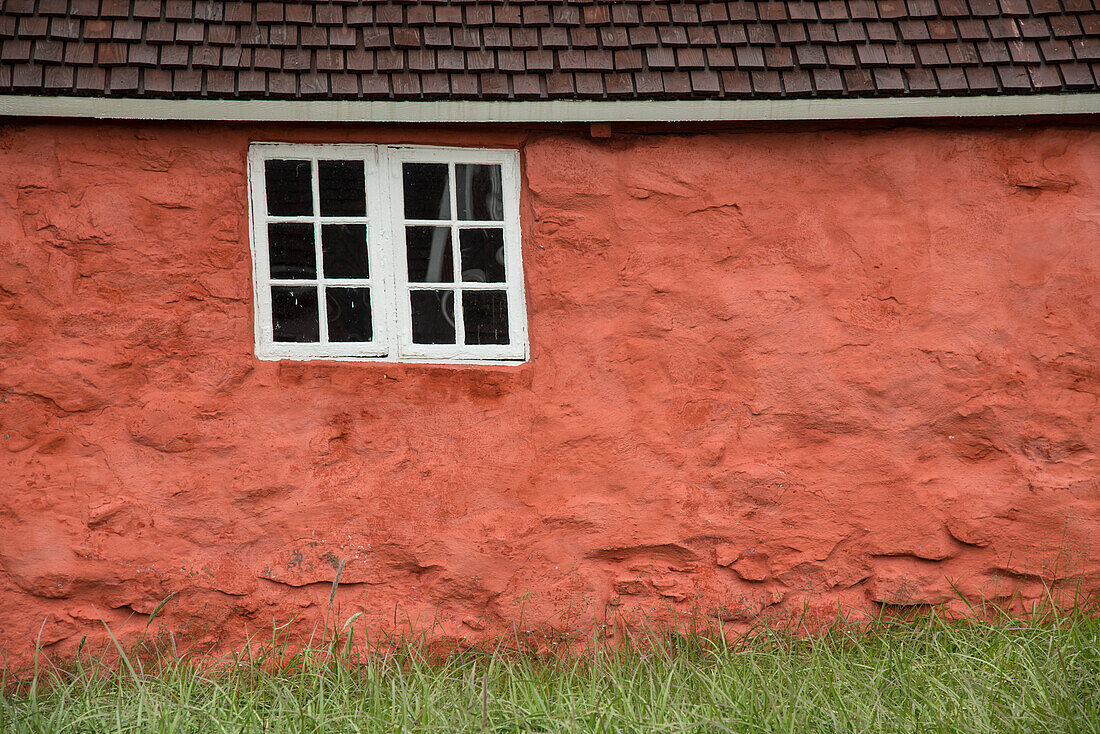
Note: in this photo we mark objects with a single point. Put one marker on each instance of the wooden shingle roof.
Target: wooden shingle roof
(530, 50)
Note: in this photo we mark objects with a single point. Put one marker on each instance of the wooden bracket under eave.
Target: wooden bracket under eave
(600, 130)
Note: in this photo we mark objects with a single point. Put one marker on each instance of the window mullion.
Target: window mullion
(322, 299)
(456, 258)
(382, 217)
(399, 307)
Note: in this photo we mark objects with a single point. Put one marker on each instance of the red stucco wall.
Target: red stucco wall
(770, 372)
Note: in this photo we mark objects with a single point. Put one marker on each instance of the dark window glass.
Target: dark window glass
(480, 195)
(294, 313)
(292, 252)
(428, 250)
(342, 188)
(427, 194)
(348, 314)
(433, 317)
(482, 255)
(485, 316)
(344, 250)
(289, 188)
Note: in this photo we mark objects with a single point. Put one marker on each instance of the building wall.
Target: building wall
(772, 374)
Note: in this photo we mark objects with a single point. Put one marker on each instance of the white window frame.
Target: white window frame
(388, 282)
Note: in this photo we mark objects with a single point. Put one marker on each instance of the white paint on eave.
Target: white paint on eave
(443, 111)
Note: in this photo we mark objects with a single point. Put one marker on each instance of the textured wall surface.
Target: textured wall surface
(771, 372)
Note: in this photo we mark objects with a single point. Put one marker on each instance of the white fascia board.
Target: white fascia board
(447, 111)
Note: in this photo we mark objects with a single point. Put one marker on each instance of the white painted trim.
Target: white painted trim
(385, 241)
(549, 110)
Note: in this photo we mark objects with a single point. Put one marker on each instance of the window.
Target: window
(386, 253)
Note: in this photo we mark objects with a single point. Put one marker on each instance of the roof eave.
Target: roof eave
(548, 111)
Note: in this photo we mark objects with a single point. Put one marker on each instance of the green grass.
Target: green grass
(923, 675)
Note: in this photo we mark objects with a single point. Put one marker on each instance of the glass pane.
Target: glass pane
(294, 313)
(433, 317)
(348, 314)
(289, 188)
(344, 250)
(480, 195)
(482, 255)
(342, 188)
(485, 315)
(428, 250)
(292, 251)
(427, 193)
